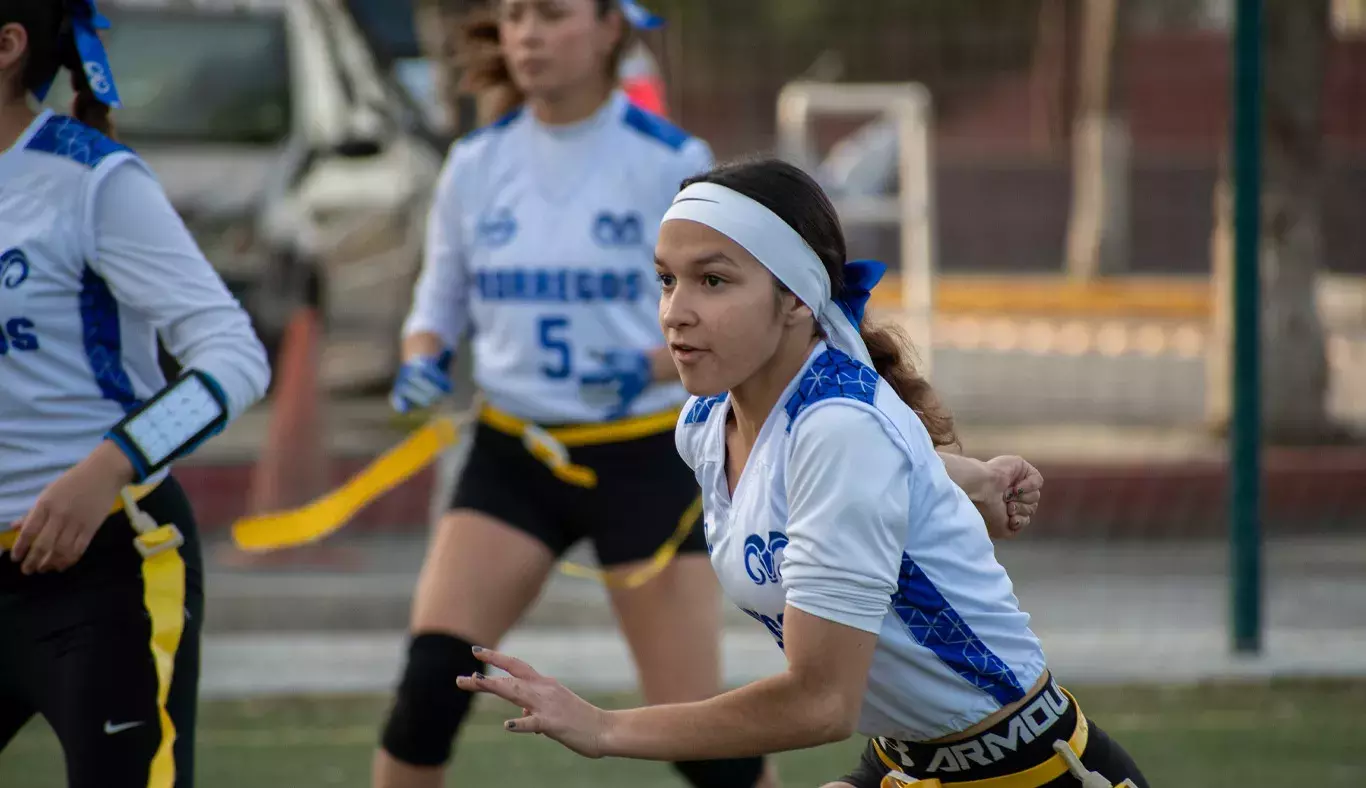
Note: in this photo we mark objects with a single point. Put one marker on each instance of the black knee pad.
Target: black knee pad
(428, 707)
(724, 773)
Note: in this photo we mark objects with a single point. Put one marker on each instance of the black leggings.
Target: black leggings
(77, 648)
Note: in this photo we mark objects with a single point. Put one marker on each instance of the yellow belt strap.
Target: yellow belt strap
(137, 492)
(550, 446)
(316, 520)
(321, 517)
(1033, 777)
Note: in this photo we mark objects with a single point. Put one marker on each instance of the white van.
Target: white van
(301, 166)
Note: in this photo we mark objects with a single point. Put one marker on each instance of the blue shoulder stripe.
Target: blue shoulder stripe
(501, 123)
(656, 128)
(71, 139)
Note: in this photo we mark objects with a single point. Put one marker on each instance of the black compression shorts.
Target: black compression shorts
(645, 493)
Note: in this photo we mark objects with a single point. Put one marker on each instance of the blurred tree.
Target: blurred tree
(1294, 359)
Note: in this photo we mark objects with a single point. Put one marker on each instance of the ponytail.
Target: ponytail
(88, 109)
(891, 352)
(485, 70)
(85, 107)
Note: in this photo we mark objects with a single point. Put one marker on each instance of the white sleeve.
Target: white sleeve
(152, 264)
(440, 297)
(848, 498)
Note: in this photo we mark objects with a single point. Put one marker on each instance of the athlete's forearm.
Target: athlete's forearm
(771, 715)
(971, 475)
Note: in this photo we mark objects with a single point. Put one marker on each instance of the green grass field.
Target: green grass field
(1278, 735)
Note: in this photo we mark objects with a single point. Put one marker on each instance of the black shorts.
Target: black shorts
(645, 493)
(76, 647)
(1009, 747)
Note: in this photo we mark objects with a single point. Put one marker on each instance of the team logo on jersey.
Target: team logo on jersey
(762, 563)
(627, 229)
(773, 625)
(13, 268)
(496, 228)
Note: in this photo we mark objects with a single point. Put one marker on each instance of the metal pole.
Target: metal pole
(1245, 537)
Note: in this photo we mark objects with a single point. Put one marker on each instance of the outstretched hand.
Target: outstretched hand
(548, 708)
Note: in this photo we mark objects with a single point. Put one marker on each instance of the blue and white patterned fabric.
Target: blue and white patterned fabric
(94, 266)
(845, 512)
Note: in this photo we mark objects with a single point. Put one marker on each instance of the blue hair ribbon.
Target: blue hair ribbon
(860, 277)
(86, 21)
(639, 16)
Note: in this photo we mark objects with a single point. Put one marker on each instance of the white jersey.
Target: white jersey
(541, 242)
(94, 262)
(845, 512)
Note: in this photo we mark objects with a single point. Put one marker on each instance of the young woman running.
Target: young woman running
(541, 242)
(831, 520)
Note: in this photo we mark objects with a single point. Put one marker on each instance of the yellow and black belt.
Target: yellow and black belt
(327, 514)
(1066, 758)
(151, 538)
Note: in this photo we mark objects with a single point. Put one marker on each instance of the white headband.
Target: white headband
(782, 251)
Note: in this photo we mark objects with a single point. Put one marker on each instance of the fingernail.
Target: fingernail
(476, 649)
(477, 676)
(510, 725)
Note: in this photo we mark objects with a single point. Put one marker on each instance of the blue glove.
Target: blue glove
(624, 375)
(421, 381)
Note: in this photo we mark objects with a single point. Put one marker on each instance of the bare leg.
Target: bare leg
(478, 579)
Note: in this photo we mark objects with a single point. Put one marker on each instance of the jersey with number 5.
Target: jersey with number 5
(540, 243)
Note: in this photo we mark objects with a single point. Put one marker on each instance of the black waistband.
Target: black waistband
(1022, 740)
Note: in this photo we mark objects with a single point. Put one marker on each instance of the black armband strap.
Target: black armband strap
(171, 424)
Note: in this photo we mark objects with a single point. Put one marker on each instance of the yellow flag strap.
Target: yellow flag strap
(327, 514)
(642, 575)
(324, 516)
(133, 493)
(551, 445)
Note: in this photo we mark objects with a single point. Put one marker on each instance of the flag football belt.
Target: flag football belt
(151, 538)
(1066, 759)
(323, 516)
(551, 445)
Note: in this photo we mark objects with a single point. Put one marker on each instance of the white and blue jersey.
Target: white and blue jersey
(541, 243)
(845, 512)
(94, 265)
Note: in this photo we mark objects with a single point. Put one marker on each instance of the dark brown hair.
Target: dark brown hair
(799, 201)
(485, 71)
(51, 46)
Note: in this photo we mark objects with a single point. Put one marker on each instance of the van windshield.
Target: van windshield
(196, 77)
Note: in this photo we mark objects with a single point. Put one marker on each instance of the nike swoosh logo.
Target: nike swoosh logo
(111, 729)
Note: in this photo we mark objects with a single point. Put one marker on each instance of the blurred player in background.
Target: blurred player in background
(101, 595)
(540, 244)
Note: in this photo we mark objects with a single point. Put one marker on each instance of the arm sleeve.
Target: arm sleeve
(151, 263)
(848, 495)
(441, 295)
